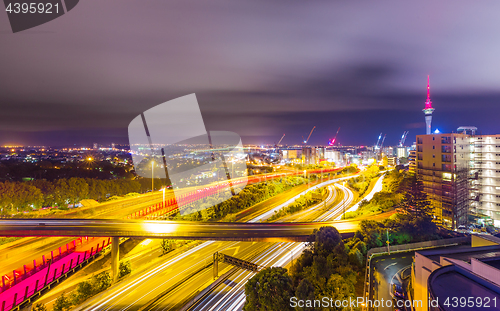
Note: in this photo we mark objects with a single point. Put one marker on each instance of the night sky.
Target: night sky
(258, 69)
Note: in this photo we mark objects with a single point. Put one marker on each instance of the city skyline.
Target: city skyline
(258, 70)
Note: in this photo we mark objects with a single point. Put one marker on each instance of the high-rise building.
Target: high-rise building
(461, 175)
(402, 152)
(312, 155)
(442, 162)
(428, 110)
(334, 156)
(485, 178)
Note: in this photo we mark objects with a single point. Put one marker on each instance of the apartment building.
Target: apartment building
(461, 175)
(442, 162)
(485, 178)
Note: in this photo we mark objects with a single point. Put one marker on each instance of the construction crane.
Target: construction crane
(382, 143)
(275, 155)
(378, 141)
(403, 138)
(280, 140)
(331, 142)
(305, 141)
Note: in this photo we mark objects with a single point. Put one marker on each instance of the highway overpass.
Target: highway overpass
(292, 232)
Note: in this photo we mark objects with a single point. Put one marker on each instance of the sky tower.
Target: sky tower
(428, 110)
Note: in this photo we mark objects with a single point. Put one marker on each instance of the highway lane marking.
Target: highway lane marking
(392, 264)
(225, 291)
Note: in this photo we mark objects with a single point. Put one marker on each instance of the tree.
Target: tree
(166, 245)
(340, 288)
(356, 258)
(39, 307)
(325, 240)
(83, 291)
(101, 281)
(62, 303)
(385, 161)
(415, 201)
(124, 269)
(305, 291)
(269, 290)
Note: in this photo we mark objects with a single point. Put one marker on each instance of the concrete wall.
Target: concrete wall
(423, 268)
(478, 241)
(484, 270)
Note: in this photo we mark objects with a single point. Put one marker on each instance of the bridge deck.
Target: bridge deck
(295, 232)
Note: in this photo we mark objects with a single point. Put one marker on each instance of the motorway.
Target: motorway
(14, 255)
(136, 290)
(141, 288)
(230, 295)
(133, 293)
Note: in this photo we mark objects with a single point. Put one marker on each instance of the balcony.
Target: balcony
(446, 140)
(446, 158)
(445, 149)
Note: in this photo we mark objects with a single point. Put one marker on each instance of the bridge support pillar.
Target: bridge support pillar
(216, 265)
(115, 254)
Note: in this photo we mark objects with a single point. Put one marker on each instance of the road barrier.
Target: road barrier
(35, 285)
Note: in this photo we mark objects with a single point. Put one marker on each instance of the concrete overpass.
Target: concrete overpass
(291, 232)
(294, 232)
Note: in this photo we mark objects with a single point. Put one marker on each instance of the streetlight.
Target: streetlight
(388, 243)
(163, 195)
(152, 176)
(343, 205)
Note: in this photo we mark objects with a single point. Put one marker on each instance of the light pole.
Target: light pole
(163, 195)
(388, 243)
(343, 205)
(152, 176)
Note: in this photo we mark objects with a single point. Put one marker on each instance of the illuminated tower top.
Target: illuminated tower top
(428, 104)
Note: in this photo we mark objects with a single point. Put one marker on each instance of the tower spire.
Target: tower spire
(428, 103)
(428, 110)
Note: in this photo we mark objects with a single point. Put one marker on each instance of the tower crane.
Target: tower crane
(382, 143)
(378, 140)
(276, 145)
(331, 142)
(274, 156)
(403, 138)
(310, 133)
(280, 140)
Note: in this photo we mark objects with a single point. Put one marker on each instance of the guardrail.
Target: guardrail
(31, 288)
